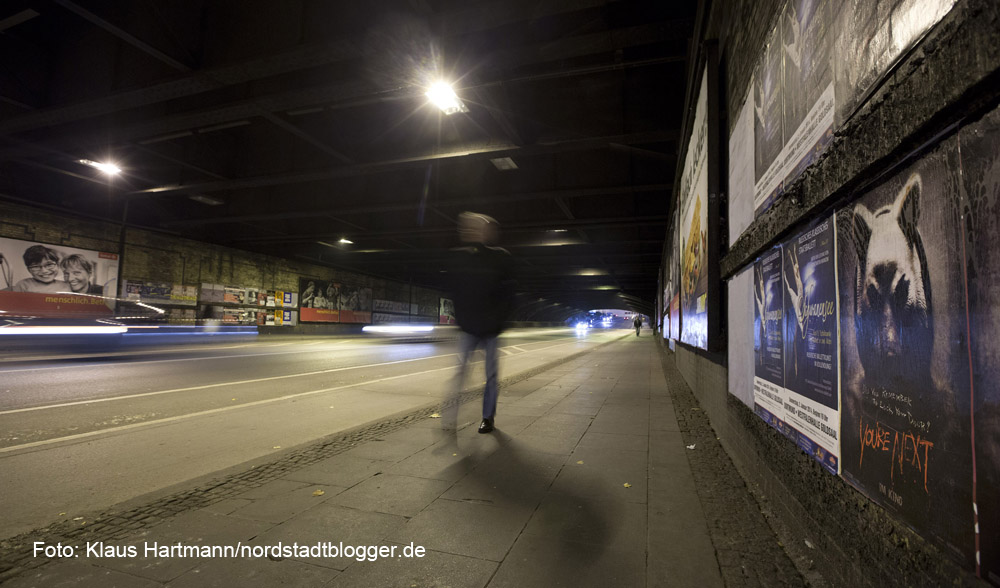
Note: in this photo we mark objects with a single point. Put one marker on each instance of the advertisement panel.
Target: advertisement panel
(810, 338)
(160, 293)
(741, 172)
(55, 280)
(446, 314)
(741, 349)
(980, 149)
(319, 301)
(694, 228)
(769, 393)
(355, 304)
(905, 380)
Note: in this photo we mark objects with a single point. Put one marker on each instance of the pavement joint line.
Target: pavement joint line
(15, 552)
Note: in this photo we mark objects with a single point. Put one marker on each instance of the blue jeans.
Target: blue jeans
(467, 345)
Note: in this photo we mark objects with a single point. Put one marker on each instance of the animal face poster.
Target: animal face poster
(904, 370)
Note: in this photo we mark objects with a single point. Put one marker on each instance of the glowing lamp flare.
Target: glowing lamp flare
(108, 168)
(443, 96)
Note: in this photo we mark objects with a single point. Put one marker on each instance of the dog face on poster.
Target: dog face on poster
(892, 297)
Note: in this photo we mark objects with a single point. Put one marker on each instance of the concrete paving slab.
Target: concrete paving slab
(277, 509)
(383, 450)
(613, 524)
(254, 573)
(442, 462)
(392, 494)
(227, 506)
(464, 528)
(340, 470)
(609, 457)
(514, 462)
(159, 569)
(601, 483)
(74, 574)
(541, 562)
(433, 569)
(614, 441)
(273, 488)
(203, 528)
(333, 523)
(544, 443)
(500, 490)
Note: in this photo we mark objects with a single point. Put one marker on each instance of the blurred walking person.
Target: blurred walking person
(482, 291)
(637, 323)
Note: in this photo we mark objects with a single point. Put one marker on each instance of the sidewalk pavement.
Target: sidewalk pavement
(585, 482)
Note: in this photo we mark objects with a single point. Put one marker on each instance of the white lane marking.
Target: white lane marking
(516, 347)
(505, 351)
(211, 411)
(221, 384)
(218, 410)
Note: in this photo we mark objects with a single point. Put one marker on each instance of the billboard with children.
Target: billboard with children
(56, 280)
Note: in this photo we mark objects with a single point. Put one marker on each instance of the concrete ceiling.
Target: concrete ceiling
(283, 126)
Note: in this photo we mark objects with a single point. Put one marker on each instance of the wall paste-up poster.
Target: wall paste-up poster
(769, 393)
(980, 148)
(905, 390)
(355, 304)
(54, 280)
(812, 406)
(319, 301)
(694, 228)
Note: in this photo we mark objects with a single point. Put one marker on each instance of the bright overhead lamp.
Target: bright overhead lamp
(443, 96)
(346, 242)
(108, 168)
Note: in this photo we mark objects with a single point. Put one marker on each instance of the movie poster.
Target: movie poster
(768, 133)
(319, 301)
(905, 390)
(355, 304)
(980, 148)
(872, 36)
(741, 172)
(694, 228)
(810, 339)
(769, 361)
(33, 274)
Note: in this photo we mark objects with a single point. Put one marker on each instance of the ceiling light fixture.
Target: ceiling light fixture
(503, 163)
(108, 168)
(443, 96)
(346, 242)
(205, 199)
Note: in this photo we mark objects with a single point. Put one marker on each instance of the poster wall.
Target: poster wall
(694, 228)
(769, 393)
(905, 381)
(980, 148)
(319, 301)
(55, 280)
(812, 406)
(160, 293)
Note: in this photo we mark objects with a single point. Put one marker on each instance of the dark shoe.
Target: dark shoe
(486, 426)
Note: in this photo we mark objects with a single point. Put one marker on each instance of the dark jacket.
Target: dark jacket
(482, 289)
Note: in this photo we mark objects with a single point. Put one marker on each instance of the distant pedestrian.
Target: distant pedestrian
(482, 292)
(637, 323)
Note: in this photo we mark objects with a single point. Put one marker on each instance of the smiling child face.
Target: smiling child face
(45, 271)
